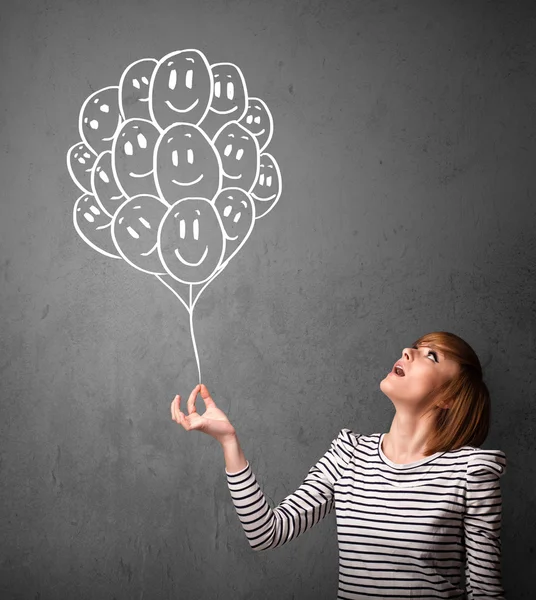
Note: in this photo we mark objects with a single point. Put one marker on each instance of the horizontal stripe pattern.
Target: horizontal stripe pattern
(404, 531)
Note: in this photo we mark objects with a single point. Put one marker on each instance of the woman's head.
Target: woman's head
(443, 381)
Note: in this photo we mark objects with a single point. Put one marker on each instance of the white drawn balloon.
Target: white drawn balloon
(94, 225)
(267, 190)
(80, 162)
(132, 157)
(135, 232)
(186, 164)
(191, 241)
(239, 153)
(134, 89)
(180, 88)
(100, 118)
(258, 119)
(104, 186)
(237, 213)
(229, 100)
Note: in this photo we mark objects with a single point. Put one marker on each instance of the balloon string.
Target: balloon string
(191, 311)
(206, 285)
(174, 292)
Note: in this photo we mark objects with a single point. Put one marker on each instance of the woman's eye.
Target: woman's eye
(434, 354)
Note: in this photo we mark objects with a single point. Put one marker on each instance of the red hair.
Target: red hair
(466, 420)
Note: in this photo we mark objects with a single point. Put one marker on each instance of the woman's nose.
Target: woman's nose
(407, 354)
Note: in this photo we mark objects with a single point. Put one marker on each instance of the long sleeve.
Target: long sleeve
(482, 524)
(267, 527)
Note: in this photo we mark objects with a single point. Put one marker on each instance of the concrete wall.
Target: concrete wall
(405, 135)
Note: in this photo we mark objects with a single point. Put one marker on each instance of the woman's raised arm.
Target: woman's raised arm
(266, 527)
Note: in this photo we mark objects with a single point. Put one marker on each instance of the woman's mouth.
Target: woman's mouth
(397, 371)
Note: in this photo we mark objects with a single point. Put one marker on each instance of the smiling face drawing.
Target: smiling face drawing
(104, 186)
(186, 164)
(135, 232)
(134, 89)
(191, 242)
(239, 153)
(94, 225)
(180, 88)
(132, 157)
(229, 100)
(230, 94)
(80, 162)
(100, 118)
(258, 120)
(237, 213)
(267, 190)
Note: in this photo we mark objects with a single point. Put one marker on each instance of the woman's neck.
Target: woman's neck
(407, 438)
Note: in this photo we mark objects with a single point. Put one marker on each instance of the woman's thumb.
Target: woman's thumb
(209, 402)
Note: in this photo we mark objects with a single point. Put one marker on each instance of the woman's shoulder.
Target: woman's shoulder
(349, 436)
(479, 461)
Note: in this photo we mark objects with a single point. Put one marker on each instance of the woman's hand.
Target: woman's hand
(213, 421)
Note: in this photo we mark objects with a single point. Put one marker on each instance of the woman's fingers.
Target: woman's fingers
(182, 420)
(176, 414)
(193, 420)
(179, 416)
(206, 396)
(175, 407)
(191, 400)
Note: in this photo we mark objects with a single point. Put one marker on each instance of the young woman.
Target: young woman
(418, 508)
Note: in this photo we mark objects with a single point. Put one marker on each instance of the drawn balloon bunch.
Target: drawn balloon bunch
(174, 171)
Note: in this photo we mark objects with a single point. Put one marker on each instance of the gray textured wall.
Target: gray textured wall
(405, 132)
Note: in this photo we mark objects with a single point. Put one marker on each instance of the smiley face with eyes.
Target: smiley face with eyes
(258, 120)
(267, 190)
(239, 153)
(237, 212)
(180, 88)
(104, 186)
(186, 164)
(80, 162)
(132, 157)
(100, 118)
(191, 242)
(134, 89)
(94, 225)
(135, 232)
(229, 100)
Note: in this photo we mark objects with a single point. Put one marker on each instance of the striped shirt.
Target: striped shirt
(427, 529)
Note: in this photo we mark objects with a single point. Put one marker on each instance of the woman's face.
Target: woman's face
(425, 369)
